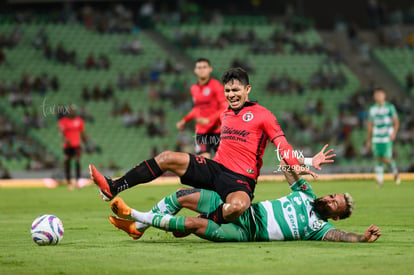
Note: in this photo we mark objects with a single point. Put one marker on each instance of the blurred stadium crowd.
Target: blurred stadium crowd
(118, 67)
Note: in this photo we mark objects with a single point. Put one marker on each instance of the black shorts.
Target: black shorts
(208, 174)
(207, 143)
(72, 151)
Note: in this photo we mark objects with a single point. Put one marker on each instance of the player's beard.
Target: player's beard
(321, 207)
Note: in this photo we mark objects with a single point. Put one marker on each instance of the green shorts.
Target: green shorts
(382, 150)
(242, 230)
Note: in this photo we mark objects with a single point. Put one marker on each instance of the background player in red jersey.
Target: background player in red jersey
(72, 129)
(246, 128)
(209, 102)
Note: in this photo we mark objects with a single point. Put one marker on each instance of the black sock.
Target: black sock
(144, 172)
(78, 170)
(217, 215)
(67, 169)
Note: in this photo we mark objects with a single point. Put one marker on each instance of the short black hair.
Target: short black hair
(235, 74)
(377, 89)
(203, 59)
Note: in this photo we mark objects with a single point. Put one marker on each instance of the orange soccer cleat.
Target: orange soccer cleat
(120, 208)
(127, 226)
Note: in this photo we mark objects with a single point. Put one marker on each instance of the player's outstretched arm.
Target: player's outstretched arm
(180, 125)
(190, 116)
(320, 158)
(336, 235)
(290, 176)
(323, 157)
(396, 127)
(285, 150)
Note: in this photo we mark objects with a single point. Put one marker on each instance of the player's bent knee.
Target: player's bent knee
(171, 158)
(167, 159)
(234, 209)
(164, 157)
(175, 162)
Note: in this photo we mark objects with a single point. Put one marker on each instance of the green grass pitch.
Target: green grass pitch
(92, 246)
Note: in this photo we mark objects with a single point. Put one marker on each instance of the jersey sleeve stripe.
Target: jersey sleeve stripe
(277, 137)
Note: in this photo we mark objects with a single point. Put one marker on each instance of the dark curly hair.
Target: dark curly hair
(235, 74)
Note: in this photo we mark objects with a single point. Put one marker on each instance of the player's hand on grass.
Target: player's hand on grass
(203, 120)
(372, 233)
(180, 125)
(323, 157)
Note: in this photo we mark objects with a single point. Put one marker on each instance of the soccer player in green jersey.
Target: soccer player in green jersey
(383, 124)
(298, 216)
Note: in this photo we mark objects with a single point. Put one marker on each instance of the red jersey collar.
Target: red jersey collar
(208, 81)
(246, 104)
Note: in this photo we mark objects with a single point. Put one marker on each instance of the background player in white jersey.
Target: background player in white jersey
(383, 124)
(299, 215)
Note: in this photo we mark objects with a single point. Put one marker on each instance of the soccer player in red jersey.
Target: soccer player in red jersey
(246, 128)
(209, 103)
(72, 129)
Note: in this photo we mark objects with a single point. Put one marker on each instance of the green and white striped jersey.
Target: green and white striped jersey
(382, 118)
(291, 217)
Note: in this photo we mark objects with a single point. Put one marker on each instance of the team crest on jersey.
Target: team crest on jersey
(317, 224)
(248, 116)
(206, 91)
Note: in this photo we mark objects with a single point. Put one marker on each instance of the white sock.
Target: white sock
(142, 217)
(167, 205)
(380, 173)
(393, 167)
(141, 226)
(137, 217)
(161, 221)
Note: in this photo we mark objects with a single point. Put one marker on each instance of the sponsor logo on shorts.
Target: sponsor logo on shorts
(250, 171)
